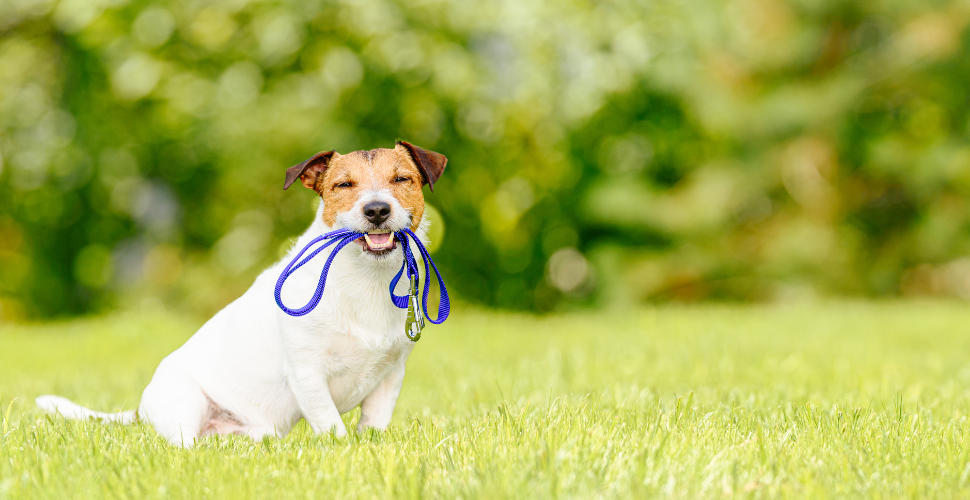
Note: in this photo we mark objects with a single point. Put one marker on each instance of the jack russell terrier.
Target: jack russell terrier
(253, 369)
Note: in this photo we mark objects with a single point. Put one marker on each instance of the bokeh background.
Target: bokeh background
(601, 153)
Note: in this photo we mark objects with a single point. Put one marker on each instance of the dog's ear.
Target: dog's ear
(309, 171)
(431, 164)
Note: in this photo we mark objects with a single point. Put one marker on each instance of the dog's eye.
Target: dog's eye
(402, 179)
(344, 185)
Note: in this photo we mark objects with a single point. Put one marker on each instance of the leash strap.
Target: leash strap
(411, 264)
(343, 237)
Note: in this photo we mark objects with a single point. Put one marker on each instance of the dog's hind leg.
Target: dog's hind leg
(176, 406)
(218, 420)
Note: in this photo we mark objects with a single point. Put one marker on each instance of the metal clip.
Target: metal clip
(415, 322)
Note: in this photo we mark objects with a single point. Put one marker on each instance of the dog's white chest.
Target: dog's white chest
(356, 364)
(348, 354)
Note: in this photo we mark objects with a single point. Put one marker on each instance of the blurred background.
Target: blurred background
(601, 153)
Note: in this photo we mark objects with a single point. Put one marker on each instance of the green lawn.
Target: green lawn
(825, 400)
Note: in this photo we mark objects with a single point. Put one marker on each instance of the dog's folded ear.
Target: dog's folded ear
(309, 171)
(431, 164)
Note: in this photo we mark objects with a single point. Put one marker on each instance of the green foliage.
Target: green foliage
(818, 401)
(619, 151)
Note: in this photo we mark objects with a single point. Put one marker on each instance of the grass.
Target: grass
(822, 400)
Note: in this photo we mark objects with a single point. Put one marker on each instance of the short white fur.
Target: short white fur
(254, 370)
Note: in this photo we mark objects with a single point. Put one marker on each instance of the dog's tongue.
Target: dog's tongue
(379, 238)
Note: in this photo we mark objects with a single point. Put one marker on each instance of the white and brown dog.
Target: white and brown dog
(254, 370)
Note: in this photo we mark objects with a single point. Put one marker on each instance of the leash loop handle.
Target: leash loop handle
(342, 237)
(444, 303)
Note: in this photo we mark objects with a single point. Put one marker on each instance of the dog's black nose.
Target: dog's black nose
(377, 212)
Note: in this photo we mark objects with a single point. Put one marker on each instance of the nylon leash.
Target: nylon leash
(417, 310)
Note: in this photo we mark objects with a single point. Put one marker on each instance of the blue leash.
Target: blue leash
(417, 311)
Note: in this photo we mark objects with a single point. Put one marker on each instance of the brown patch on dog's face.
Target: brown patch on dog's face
(349, 176)
(375, 192)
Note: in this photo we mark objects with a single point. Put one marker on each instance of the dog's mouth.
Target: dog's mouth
(378, 243)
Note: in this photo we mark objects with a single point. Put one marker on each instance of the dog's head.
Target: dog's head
(376, 192)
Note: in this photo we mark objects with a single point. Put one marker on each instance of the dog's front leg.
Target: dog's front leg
(309, 386)
(377, 408)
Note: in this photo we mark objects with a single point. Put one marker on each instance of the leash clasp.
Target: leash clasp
(415, 322)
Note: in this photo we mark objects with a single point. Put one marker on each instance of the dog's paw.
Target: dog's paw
(336, 429)
(339, 432)
(366, 428)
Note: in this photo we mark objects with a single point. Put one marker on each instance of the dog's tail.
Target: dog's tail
(71, 410)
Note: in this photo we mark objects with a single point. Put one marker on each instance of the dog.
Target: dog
(254, 370)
